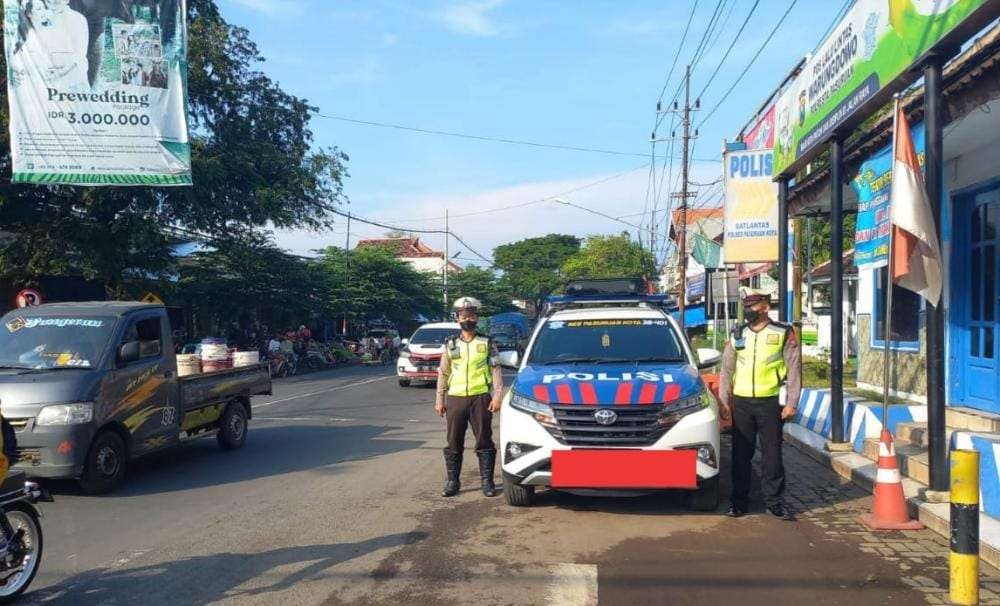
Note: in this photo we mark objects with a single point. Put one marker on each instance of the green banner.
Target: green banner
(876, 41)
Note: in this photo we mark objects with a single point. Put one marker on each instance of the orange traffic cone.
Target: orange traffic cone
(889, 505)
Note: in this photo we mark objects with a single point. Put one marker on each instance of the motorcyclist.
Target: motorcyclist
(469, 390)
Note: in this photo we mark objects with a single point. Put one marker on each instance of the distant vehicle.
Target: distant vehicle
(508, 337)
(421, 354)
(608, 397)
(90, 386)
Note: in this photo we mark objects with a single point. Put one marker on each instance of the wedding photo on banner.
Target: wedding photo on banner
(96, 92)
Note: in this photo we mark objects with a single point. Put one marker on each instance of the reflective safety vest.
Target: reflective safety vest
(470, 366)
(760, 361)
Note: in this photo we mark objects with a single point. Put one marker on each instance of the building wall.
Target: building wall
(425, 264)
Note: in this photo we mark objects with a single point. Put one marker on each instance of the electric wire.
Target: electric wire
(750, 63)
(728, 50)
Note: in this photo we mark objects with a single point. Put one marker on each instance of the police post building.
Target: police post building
(832, 121)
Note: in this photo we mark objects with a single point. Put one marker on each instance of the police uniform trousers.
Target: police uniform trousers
(753, 418)
(463, 411)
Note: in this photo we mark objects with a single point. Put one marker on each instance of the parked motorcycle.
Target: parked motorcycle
(21, 533)
(282, 365)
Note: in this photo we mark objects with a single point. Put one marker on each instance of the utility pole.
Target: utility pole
(684, 194)
(347, 261)
(447, 259)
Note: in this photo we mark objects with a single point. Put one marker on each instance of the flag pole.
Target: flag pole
(887, 365)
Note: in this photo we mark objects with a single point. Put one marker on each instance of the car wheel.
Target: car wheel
(106, 464)
(517, 495)
(233, 427)
(404, 382)
(706, 497)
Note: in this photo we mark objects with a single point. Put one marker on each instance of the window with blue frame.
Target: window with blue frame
(906, 306)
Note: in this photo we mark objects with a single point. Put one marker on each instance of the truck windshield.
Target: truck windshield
(433, 336)
(29, 341)
(606, 340)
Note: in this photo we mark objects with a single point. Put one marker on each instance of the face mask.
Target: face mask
(751, 315)
(468, 325)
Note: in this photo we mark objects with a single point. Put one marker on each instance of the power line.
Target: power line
(709, 31)
(428, 131)
(729, 50)
(529, 203)
(751, 62)
(677, 54)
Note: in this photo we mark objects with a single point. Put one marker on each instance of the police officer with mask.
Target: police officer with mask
(760, 357)
(469, 390)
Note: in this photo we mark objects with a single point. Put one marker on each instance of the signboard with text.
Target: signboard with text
(874, 44)
(97, 92)
(873, 184)
(751, 213)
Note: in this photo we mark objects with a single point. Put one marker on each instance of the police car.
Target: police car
(608, 397)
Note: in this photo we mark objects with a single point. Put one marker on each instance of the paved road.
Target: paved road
(333, 501)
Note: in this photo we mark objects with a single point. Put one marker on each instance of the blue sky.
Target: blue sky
(581, 73)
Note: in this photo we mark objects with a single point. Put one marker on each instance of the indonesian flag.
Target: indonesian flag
(916, 252)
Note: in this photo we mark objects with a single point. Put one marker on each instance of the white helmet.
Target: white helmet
(469, 303)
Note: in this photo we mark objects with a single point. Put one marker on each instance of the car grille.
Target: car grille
(29, 456)
(19, 425)
(635, 426)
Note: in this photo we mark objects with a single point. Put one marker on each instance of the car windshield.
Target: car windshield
(433, 336)
(30, 341)
(606, 340)
(503, 329)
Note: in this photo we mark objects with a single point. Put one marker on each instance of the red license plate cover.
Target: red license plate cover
(639, 469)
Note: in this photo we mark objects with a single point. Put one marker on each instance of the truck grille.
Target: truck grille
(635, 426)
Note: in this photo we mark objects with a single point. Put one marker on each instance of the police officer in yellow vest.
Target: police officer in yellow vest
(760, 357)
(469, 390)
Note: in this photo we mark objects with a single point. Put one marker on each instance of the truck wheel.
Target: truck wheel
(706, 498)
(233, 427)
(517, 495)
(404, 382)
(106, 464)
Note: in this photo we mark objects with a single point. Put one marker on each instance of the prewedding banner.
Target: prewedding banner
(97, 91)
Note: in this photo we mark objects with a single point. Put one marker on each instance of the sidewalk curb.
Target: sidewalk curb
(861, 471)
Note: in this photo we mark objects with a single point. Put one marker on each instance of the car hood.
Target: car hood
(608, 384)
(23, 393)
(425, 350)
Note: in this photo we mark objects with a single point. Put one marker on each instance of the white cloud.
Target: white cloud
(276, 8)
(616, 197)
(471, 18)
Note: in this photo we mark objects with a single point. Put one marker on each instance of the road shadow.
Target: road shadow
(206, 579)
(270, 450)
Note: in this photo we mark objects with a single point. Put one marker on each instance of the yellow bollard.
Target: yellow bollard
(964, 558)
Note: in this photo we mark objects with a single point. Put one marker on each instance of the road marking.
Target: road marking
(573, 585)
(321, 391)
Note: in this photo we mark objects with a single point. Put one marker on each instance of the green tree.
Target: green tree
(253, 164)
(610, 257)
(482, 284)
(371, 283)
(532, 268)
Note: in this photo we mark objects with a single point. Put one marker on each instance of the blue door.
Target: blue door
(976, 297)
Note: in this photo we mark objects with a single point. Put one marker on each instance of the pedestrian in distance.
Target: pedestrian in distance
(469, 390)
(760, 357)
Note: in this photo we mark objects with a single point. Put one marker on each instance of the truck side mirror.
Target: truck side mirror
(128, 353)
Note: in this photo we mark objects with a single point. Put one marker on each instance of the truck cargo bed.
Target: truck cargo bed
(203, 389)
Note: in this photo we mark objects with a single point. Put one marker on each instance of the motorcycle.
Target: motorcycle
(22, 534)
(282, 365)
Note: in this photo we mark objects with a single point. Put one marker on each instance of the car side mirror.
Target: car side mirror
(509, 359)
(404, 342)
(128, 353)
(708, 357)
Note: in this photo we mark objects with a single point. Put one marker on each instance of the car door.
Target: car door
(145, 386)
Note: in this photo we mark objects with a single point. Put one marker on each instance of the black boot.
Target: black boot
(487, 460)
(453, 468)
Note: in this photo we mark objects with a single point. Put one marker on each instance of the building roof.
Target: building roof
(406, 247)
(823, 270)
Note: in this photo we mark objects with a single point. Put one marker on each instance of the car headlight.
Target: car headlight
(541, 412)
(675, 411)
(66, 414)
